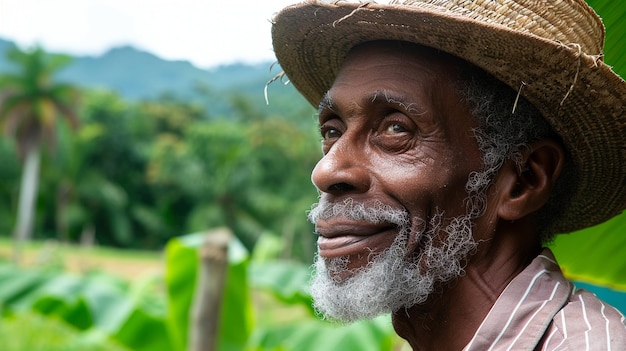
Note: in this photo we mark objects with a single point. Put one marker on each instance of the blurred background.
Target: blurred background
(136, 132)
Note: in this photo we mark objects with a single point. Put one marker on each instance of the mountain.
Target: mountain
(136, 75)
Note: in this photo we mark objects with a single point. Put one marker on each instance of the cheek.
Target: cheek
(426, 188)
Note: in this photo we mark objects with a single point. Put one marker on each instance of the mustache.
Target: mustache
(371, 211)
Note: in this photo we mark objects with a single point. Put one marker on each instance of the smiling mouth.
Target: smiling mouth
(341, 239)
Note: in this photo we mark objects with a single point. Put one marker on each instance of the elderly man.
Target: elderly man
(459, 136)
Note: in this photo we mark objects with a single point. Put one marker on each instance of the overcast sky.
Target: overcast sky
(205, 32)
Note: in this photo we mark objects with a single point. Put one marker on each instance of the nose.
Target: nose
(343, 170)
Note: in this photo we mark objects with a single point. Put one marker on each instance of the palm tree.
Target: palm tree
(31, 104)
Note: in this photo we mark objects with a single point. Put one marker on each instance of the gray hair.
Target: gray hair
(507, 125)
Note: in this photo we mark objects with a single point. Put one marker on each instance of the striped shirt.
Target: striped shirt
(541, 310)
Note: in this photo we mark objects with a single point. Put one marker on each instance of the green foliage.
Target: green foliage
(31, 104)
(34, 332)
(181, 277)
(613, 14)
(10, 175)
(97, 309)
(595, 255)
(312, 335)
(102, 307)
(182, 260)
(287, 281)
(32, 101)
(140, 173)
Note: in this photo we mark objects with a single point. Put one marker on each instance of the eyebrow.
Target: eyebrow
(399, 100)
(378, 97)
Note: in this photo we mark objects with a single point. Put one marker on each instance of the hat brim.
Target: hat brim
(580, 96)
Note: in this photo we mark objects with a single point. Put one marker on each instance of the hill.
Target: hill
(139, 75)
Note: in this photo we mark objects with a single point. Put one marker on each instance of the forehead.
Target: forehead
(418, 75)
(394, 66)
(406, 55)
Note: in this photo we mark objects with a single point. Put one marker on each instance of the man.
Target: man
(459, 136)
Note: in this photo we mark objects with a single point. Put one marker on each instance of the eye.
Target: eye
(396, 132)
(329, 133)
(396, 128)
(331, 129)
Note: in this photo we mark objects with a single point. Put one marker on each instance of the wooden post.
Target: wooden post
(206, 308)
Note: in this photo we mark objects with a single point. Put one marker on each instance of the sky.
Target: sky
(205, 32)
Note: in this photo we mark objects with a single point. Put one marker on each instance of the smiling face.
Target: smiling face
(398, 149)
(394, 132)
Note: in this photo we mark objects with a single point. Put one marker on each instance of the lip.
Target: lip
(338, 238)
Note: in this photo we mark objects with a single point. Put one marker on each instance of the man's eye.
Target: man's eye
(330, 133)
(396, 128)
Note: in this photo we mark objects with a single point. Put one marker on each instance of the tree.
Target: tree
(31, 104)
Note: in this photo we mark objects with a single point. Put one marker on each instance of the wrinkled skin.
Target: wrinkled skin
(395, 131)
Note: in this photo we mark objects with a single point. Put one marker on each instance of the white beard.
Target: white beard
(395, 278)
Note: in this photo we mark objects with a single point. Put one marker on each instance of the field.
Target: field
(33, 331)
(126, 264)
(273, 319)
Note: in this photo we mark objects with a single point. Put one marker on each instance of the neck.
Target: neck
(450, 318)
(445, 322)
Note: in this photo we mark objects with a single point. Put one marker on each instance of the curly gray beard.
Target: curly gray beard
(395, 278)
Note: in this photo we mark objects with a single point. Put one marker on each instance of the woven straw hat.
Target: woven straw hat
(550, 51)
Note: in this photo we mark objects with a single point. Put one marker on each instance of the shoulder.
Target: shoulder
(586, 323)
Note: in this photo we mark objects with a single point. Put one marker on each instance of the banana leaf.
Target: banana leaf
(595, 259)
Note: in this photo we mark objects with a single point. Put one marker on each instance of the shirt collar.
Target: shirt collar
(525, 309)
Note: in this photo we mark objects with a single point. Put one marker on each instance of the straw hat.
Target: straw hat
(550, 51)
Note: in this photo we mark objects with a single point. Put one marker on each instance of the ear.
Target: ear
(526, 189)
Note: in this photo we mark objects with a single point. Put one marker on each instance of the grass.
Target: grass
(123, 263)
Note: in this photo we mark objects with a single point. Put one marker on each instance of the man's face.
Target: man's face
(398, 149)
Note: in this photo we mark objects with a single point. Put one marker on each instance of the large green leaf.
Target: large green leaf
(182, 269)
(595, 255)
(16, 285)
(313, 335)
(287, 280)
(100, 305)
(613, 13)
(180, 277)
(143, 331)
